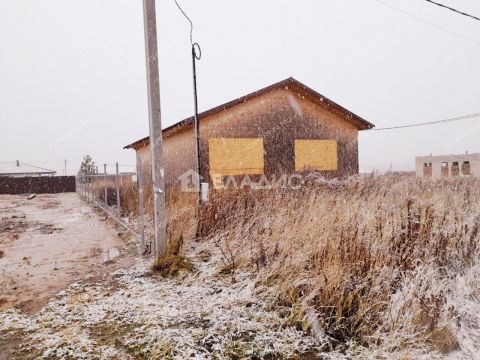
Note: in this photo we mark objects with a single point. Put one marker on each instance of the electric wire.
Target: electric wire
(454, 10)
(459, 118)
(188, 19)
(430, 122)
(425, 21)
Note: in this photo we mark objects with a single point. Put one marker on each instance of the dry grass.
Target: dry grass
(370, 259)
(181, 209)
(369, 256)
(129, 199)
(174, 263)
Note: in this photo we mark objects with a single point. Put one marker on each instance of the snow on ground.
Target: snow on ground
(136, 313)
(50, 242)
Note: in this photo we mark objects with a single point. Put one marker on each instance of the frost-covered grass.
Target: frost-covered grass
(137, 314)
(370, 267)
(377, 262)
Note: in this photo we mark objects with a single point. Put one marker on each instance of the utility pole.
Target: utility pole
(196, 55)
(65, 167)
(153, 83)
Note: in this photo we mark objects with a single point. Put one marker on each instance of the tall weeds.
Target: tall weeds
(376, 260)
(181, 209)
(368, 255)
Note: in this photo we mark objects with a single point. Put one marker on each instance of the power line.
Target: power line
(454, 10)
(425, 21)
(430, 122)
(190, 21)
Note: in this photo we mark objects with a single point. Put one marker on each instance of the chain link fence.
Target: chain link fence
(116, 195)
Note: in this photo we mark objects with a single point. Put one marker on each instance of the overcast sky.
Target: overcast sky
(72, 72)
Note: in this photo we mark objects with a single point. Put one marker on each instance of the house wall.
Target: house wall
(437, 161)
(178, 156)
(144, 162)
(279, 117)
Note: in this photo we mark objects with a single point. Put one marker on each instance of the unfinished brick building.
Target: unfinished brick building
(445, 166)
(284, 128)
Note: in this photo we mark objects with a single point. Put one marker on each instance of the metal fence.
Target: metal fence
(36, 184)
(105, 192)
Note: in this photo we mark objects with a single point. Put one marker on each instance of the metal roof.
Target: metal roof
(358, 121)
(21, 168)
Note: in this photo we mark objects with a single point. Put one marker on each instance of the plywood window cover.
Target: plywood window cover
(319, 155)
(236, 156)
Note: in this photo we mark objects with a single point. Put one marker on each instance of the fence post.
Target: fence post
(95, 193)
(90, 185)
(140, 203)
(94, 189)
(117, 180)
(106, 194)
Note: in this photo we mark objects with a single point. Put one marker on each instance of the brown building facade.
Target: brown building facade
(285, 128)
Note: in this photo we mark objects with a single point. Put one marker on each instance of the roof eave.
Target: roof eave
(361, 123)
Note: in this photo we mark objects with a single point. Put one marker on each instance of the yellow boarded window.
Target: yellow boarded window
(320, 155)
(235, 156)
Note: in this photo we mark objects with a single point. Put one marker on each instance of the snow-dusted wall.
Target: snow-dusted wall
(279, 117)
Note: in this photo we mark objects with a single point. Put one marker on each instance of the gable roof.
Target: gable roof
(19, 168)
(358, 121)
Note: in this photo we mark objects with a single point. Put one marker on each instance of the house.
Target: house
(284, 128)
(445, 166)
(20, 169)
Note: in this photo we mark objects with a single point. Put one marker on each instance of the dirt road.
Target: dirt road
(49, 242)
